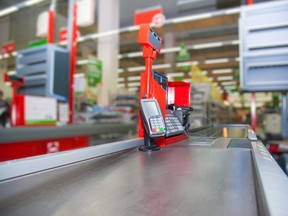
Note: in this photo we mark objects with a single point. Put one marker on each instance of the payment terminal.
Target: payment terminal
(152, 117)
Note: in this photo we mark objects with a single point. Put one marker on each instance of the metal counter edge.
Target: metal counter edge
(21, 167)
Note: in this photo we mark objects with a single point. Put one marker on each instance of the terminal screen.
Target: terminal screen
(151, 109)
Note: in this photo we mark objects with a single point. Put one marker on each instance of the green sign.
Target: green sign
(94, 72)
(37, 43)
(183, 53)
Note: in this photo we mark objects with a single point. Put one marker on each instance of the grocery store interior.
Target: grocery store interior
(159, 107)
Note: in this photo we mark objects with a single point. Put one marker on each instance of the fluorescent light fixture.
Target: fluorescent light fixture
(183, 2)
(228, 83)
(11, 72)
(121, 85)
(179, 74)
(229, 87)
(135, 54)
(135, 78)
(8, 10)
(78, 75)
(191, 18)
(32, 2)
(161, 66)
(132, 69)
(210, 79)
(223, 78)
(82, 62)
(222, 71)
(215, 61)
(80, 39)
(235, 42)
(182, 64)
(133, 84)
(121, 79)
(232, 11)
(120, 70)
(208, 45)
(172, 49)
(133, 89)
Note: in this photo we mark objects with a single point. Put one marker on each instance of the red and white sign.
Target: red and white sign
(53, 147)
(149, 15)
(158, 20)
(8, 48)
(63, 34)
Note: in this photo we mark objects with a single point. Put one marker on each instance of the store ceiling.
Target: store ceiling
(219, 29)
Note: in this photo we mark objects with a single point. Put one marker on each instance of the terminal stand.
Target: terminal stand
(148, 144)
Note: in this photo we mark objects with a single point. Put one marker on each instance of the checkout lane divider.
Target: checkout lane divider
(18, 168)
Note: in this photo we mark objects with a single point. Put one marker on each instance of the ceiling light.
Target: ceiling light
(161, 66)
(78, 75)
(134, 84)
(120, 85)
(229, 87)
(191, 18)
(121, 79)
(222, 78)
(228, 83)
(182, 64)
(179, 74)
(172, 49)
(8, 10)
(235, 42)
(120, 70)
(210, 79)
(133, 89)
(32, 2)
(82, 62)
(135, 78)
(183, 2)
(132, 69)
(232, 11)
(214, 61)
(221, 71)
(208, 45)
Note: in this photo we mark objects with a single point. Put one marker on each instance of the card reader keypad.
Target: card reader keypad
(173, 125)
(157, 124)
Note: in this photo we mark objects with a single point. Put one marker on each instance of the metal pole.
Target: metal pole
(51, 22)
(284, 115)
(71, 46)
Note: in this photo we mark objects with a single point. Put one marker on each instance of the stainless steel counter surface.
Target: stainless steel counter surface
(174, 181)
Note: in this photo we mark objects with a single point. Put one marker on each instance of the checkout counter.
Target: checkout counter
(232, 173)
(217, 170)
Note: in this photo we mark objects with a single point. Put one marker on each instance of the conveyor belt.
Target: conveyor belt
(173, 181)
(182, 179)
